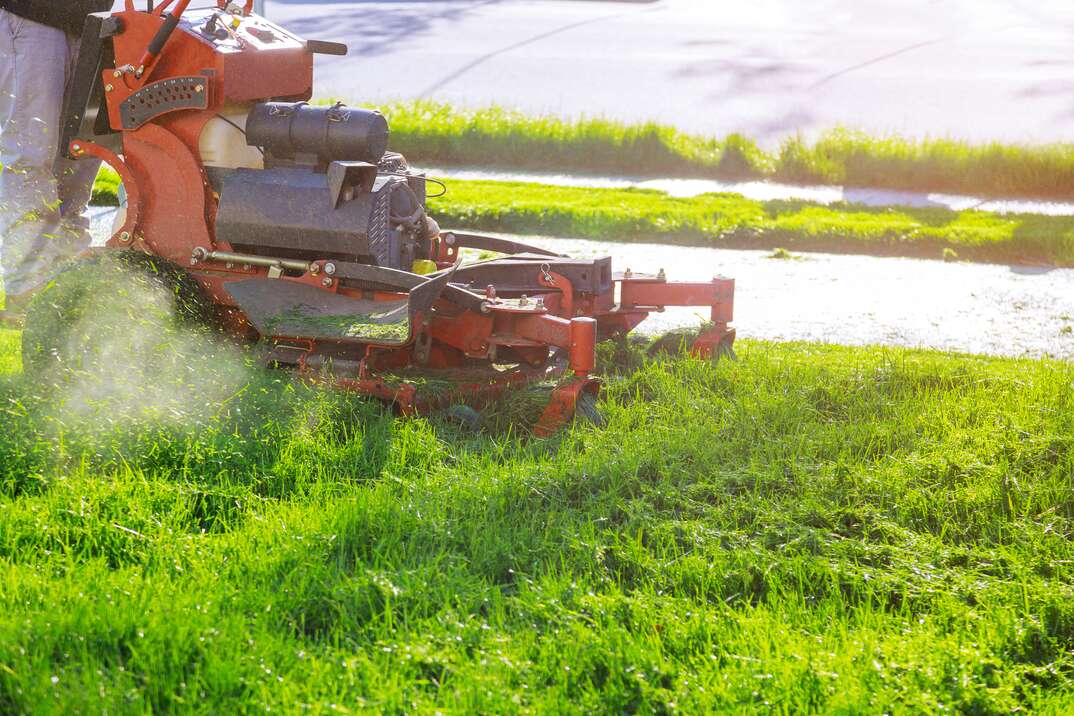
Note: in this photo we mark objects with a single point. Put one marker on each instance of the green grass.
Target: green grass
(10, 360)
(810, 529)
(732, 221)
(436, 133)
(106, 187)
(432, 133)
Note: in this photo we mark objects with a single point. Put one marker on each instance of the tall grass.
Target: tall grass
(436, 133)
(809, 529)
(432, 132)
(852, 158)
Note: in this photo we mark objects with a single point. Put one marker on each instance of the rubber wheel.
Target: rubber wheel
(679, 342)
(100, 306)
(725, 349)
(673, 343)
(465, 417)
(585, 409)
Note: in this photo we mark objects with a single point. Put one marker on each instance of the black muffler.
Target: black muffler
(289, 130)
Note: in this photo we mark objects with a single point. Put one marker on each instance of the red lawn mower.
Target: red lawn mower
(299, 229)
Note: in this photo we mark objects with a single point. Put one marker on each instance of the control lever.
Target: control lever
(171, 21)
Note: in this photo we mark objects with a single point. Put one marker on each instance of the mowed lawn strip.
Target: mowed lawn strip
(810, 528)
(732, 221)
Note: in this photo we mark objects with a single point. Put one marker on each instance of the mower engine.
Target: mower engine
(327, 190)
(304, 232)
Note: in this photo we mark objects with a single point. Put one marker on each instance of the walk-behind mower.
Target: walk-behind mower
(300, 230)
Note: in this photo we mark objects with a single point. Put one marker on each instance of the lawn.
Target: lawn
(811, 528)
(733, 221)
(438, 133)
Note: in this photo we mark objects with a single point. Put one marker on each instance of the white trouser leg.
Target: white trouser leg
(42, 195)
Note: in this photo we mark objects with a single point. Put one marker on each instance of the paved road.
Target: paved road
(977, 69)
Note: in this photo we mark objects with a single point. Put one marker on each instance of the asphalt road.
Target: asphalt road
(974, 69)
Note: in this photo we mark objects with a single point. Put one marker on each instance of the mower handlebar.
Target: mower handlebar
(171, 21)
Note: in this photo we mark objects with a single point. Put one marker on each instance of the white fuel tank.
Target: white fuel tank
(223, 142)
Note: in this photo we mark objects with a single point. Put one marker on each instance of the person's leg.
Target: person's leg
(33, 59)
(74, 183)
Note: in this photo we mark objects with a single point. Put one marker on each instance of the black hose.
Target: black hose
(241, 130)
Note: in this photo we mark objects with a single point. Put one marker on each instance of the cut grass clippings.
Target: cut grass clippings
(732, 221)
(810, 529)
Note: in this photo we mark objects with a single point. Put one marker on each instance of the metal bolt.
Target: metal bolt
(246, 267)
(490, 291)
(117, 74)
(76, 147)
(524, 301)
(230, 265)
(199, 88)
(193, 261)
(326, 282)
(661, 275)
(449, 239)
(315, 269)
(108, 88)
(124, 237)
(628, 273)
(329, 268)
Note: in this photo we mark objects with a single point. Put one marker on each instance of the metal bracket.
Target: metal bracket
(551, 279)
(423, 343)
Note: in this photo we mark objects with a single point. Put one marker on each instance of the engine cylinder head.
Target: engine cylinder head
(336, 133)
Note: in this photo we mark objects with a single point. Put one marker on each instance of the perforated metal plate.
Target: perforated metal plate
(164, 96)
